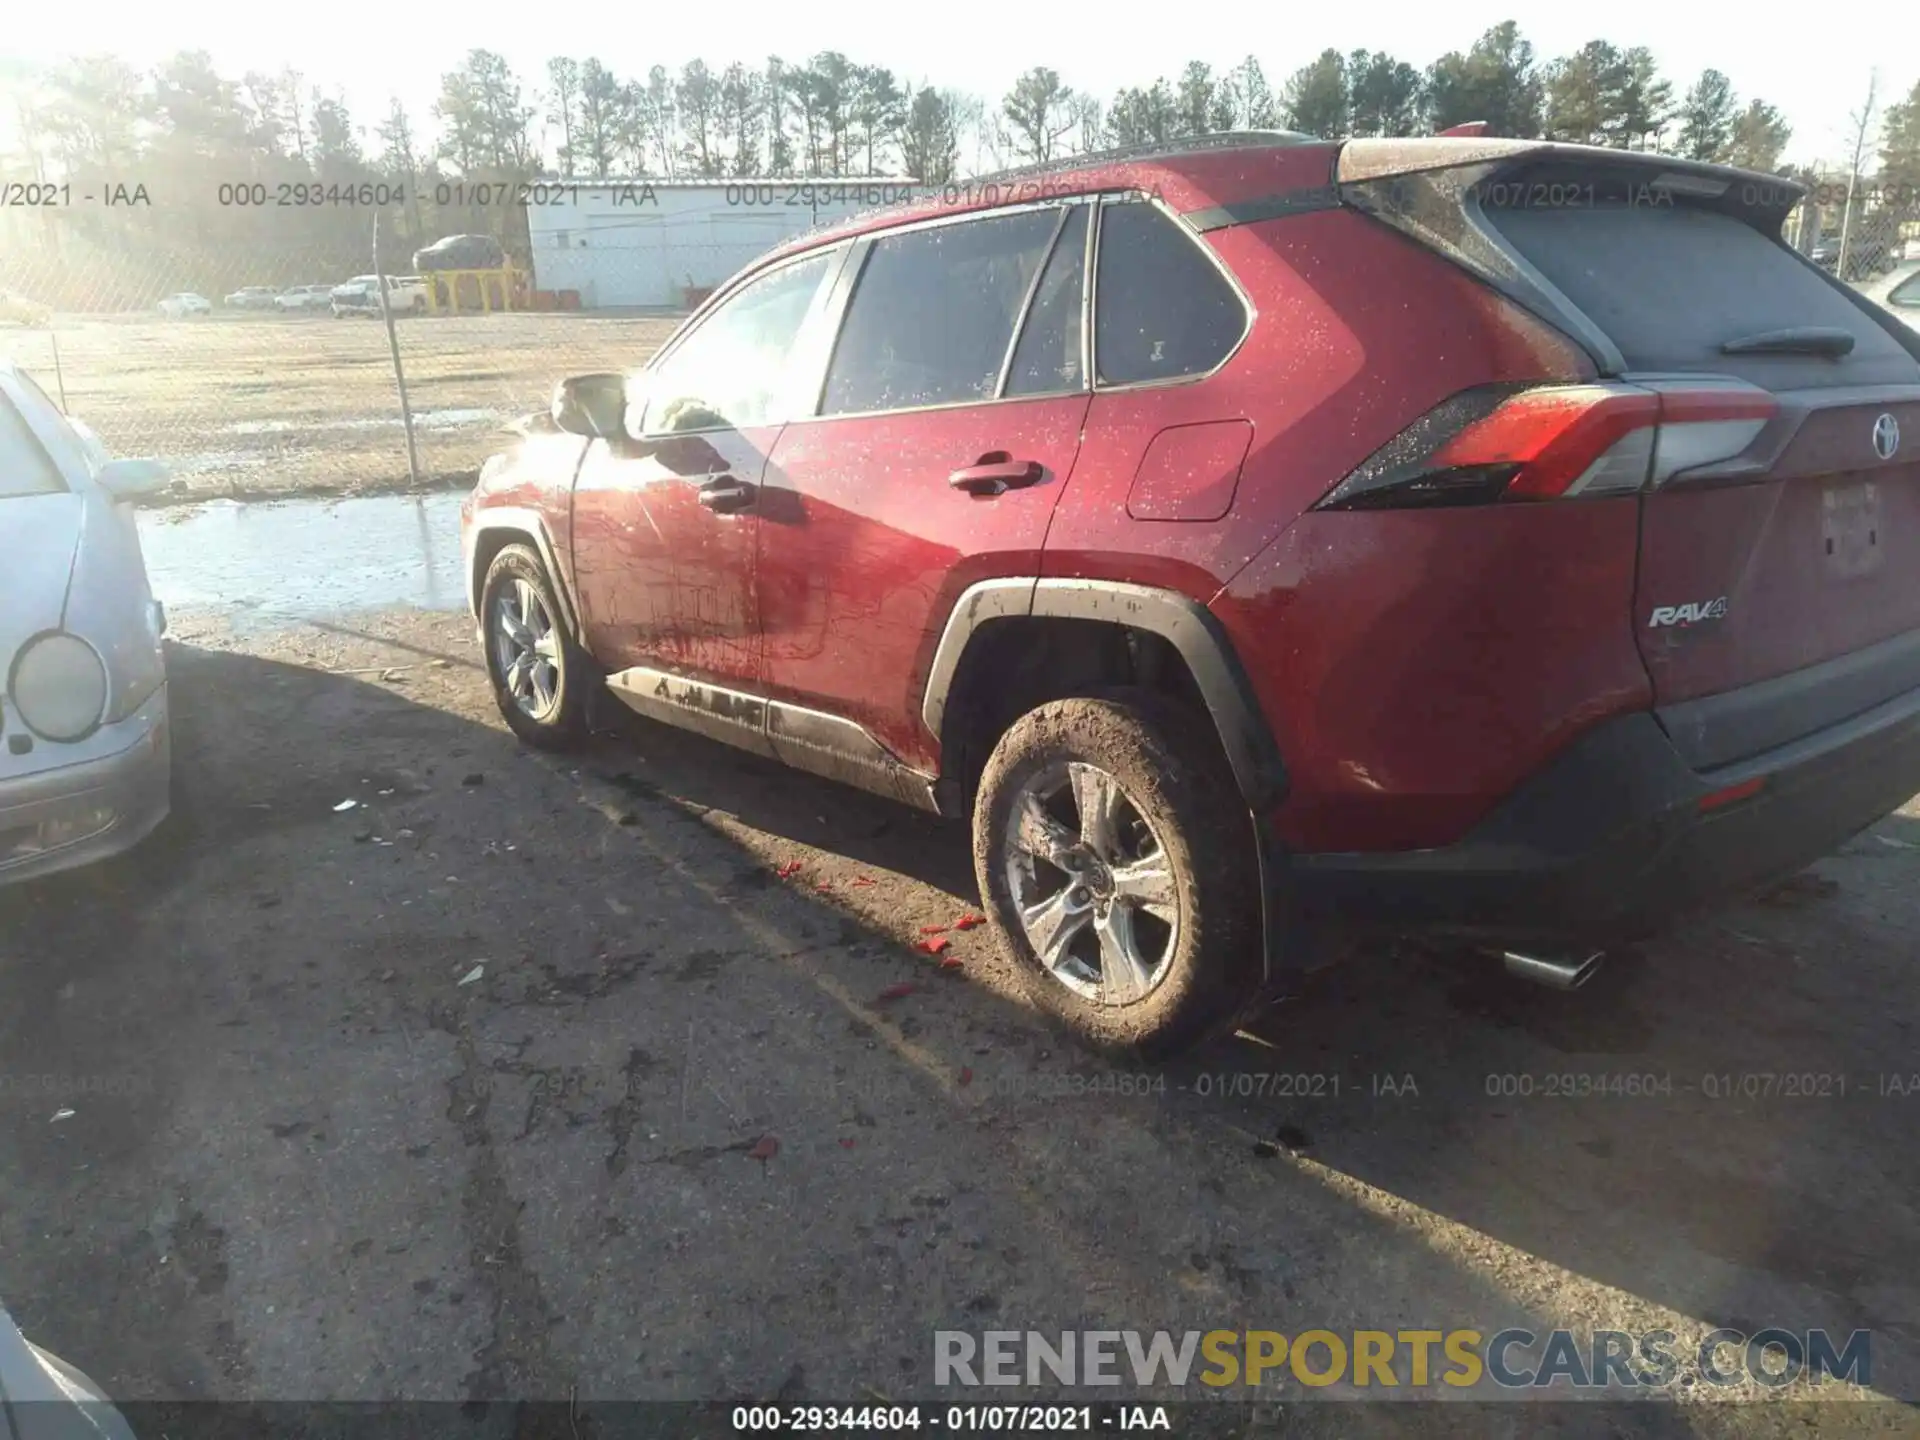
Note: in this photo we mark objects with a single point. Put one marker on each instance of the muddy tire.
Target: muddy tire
(1112, 853)
(541, 677)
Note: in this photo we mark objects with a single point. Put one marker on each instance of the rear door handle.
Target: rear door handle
(997, 472)
(724, 494)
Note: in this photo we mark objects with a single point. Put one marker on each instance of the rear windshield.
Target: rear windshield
(1670, 284)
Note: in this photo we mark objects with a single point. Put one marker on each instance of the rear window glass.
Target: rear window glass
(1162, 309)
(1670, 284)
(24, 466)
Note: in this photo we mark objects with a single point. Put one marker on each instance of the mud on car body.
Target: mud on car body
(1262, 538)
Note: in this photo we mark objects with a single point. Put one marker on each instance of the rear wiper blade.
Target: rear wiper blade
(1801, 340)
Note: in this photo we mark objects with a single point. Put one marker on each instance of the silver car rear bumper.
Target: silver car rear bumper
(76, 814)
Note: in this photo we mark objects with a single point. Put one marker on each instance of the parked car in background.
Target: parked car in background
(84, 747)
(1899, 293)
(252, 297)
(304, 297)
(1254, 561)
(406, 294)
(461, 252)
(185, 303)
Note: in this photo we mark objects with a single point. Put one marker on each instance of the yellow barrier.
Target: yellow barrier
(458, 292)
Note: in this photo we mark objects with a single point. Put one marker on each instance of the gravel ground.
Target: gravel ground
(528, 1078)
(260, 406)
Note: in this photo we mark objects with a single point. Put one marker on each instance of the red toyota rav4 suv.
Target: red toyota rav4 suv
(1264, 535)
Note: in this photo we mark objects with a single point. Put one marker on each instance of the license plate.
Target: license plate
(1856, 543)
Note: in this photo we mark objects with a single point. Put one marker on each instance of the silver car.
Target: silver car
(1898, 292)
(46, 1398)
(85, 751)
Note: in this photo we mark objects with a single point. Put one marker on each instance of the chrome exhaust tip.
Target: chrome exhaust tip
(1556, 972)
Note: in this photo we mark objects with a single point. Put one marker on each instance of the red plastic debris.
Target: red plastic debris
(966, 1075)
(933, 946)
(846, 1144)
(951, 962)
(898, 992)
(933, 929)
(969, 922)
(863, 880)
(765, 1148)
(790, 868)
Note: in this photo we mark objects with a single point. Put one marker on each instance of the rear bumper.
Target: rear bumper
(1611, 841)
(77, 814)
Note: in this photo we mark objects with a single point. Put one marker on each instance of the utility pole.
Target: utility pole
(393, 345)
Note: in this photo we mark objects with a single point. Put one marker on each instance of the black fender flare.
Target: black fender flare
(1193, 631)
(1183, 622)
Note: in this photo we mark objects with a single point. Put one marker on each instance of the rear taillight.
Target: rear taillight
(1557, 442)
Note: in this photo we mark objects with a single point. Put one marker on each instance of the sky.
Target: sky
(1818, 74)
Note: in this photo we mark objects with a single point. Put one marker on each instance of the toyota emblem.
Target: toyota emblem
(1886, 437)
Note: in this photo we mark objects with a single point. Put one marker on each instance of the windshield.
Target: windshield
(25, 466)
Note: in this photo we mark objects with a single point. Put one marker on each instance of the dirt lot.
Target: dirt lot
(258, 405)
(684, 1137)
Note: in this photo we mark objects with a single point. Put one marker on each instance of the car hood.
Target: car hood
(41, 537)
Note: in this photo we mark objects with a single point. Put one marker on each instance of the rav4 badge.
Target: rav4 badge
(1691, 614)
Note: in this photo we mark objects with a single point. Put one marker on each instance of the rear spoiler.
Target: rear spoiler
(1431, 188)
(1753, 194)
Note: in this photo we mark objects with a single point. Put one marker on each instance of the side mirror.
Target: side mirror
(591, 405)
(130, 479)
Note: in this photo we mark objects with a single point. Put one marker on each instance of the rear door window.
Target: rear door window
(1162, 309)
(1047, 361)
(1671, 283)
(933, 312)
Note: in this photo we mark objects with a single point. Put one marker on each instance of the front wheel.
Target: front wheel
(540, 676)
(1123, 886)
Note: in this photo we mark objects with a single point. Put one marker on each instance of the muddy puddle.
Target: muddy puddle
(270, 564)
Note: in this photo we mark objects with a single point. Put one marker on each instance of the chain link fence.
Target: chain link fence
(259, 376)
(1858, 229)
(236, 367)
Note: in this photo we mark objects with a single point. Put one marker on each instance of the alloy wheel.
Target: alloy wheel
(1091, 884)
(526, 648)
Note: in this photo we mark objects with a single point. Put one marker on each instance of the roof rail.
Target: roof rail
(1155, 150)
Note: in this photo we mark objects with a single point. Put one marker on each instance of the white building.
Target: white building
(643, 242)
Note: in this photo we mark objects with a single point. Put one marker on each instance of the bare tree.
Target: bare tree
(1864, 128)
(698, 100)
(602, 113)
(563, 93)
(1039, 113)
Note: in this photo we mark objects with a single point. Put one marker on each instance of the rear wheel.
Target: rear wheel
(540, 676)
(1121, 887)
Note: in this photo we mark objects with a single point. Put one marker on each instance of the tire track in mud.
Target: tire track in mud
(516, 1363)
